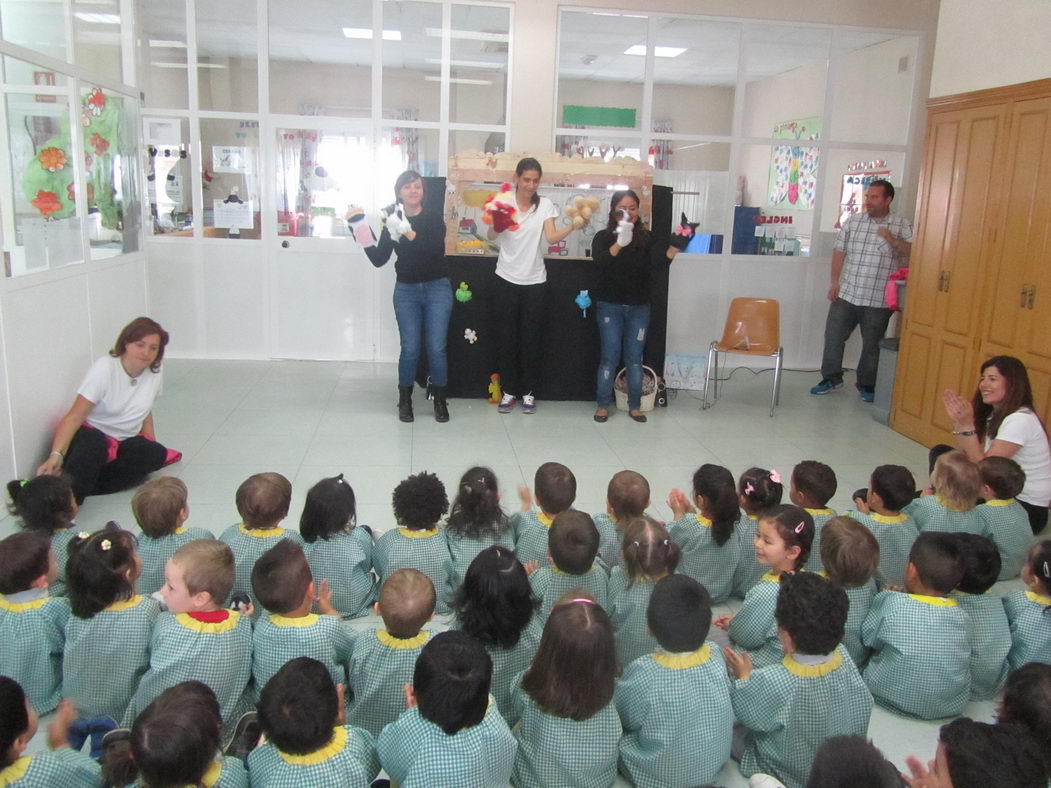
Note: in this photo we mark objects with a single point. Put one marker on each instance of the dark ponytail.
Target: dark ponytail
(716, 484)
(43, 504)
(476, 511)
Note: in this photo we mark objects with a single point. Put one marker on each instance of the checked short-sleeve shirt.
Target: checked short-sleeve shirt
(870, 260)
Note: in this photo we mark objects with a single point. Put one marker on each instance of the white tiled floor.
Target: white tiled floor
(307, 420)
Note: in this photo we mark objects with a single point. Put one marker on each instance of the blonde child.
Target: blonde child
(890, 491)
(921, 639)
(813, 485)
(197, 638)
(675, 703)
(814, 693)
(47, 506)
(952, 506)
(757, 490)
(337, 549)
(175, 741)
(161, 510)
(706, 534)
(109, 626)
(1027, 703)
(282, 583)
(476, 521)
(419, 503)
(627, 496)
(1027, 611)
(573, 543)
(382, 661)
(556, 489)
(648, 554)
(1003, 518)
(990, 630)
(782, 543)
(497, 607)
(449, 734)
(60, 765)
(32, 623)
(308, 742)
(262, 502)
(568, 728)
(850, 554)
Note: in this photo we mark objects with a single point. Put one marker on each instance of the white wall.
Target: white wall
(986, 45)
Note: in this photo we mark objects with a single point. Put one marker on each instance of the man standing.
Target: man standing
(871, 246)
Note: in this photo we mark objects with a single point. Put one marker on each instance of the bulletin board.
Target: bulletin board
(793, 168)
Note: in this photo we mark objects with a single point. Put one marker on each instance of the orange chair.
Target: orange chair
(753, 328)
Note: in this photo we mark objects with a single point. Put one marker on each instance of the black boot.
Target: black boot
(441, 408)
(405, 403)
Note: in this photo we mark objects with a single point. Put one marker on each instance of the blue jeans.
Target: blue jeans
(621, 329)
(423, 310)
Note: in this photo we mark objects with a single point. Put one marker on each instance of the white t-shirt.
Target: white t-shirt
(120, 407)
(1034, 457)
(521, 260)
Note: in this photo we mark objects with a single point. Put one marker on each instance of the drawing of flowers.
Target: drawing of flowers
(100, 144)
(96, 101)
(47, 203)
(52, 159)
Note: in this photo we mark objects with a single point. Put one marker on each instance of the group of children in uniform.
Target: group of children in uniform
(579, 646)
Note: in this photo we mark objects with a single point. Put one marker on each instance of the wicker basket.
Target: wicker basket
(649, 389)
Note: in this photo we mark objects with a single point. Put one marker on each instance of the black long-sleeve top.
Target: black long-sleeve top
(419, 260)
(624, 278)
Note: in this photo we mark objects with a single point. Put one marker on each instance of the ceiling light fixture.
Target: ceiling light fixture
(479, 64)
(640, 49)
(366, 32)
(98, 19)
(467, 35)
(158, 43)
(459, 80)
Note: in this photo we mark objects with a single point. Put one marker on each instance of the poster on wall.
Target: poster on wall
(855, 180)
(793, 168)
(229, 158)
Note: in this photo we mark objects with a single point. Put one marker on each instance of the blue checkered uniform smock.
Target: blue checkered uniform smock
(990, 642)
(416, 753)
(248, 544)
(106, 655)
(345, 560)
(225, 772)
(560, 751)
(609, 539)
(921, 654)
(509, 662)
(821, 516)
(931, 514)
(627, 612)
(218, 654)
(155, 553)
(426, 551)
(380, 667)
(791, 708)
(278, 639)
(550, 583)
(60, 540)
(33, 631)
(748, 571)
(464, 549)
(1007, 524)
(708, 563)
(677, 718)
(1030, 622)
(860, 600)
(531, 530)
(62, 767)
(895, 534)
(348, 760)
(753, 626)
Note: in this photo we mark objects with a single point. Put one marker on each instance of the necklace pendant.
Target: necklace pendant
(134, 381)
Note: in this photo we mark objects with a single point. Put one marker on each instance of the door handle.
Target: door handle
(1032, 296)
(1024, 295)
(948, 279)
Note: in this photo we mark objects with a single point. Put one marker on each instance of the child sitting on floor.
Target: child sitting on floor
(782, 543)
(282, 583)
(710, 552)
(814, 693)
(990, 632)
(627, 496)
(850, 554)
(921, 639)
(450, 734)
(573, 542)
(1027, 611)
(813, 485)
(979, 755)
(197, 638)
(952, 506)
(262, 501)
(1003, 518)
(161, 511)
(675, 703)
(851, 762)
(419, 503)
(890, 491)
(337, 549)
(308, 743)
(47, 506)
(32, 623)
(757, 490)
(1027, 704)
(556, 489)
(382, 661)
(476, 521)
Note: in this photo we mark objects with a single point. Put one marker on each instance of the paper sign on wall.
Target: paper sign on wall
(232, 215)
(229, 158)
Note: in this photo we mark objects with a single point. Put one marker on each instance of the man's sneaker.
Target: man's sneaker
(528, 403)
(826, 385)
(867, 394)
(507, 403)
(245, 737)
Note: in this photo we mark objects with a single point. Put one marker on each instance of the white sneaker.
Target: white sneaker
(528, 403)
(764, 781)
(507, 403)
